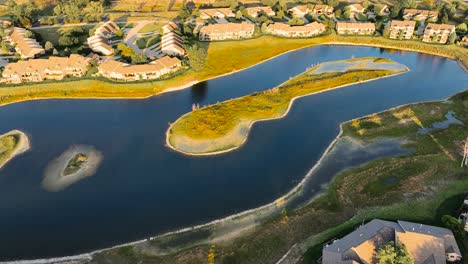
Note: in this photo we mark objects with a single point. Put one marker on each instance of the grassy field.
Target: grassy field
(210, 129)
(54, 33)
(151, 27)
(236, 55)
(8, 145)
(429, 183)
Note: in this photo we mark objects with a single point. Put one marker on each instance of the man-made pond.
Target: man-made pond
(142, 188)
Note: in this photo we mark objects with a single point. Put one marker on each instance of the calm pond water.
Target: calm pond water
(142, 188)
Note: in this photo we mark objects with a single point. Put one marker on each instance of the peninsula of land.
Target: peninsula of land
(12, 144)
(225, 126)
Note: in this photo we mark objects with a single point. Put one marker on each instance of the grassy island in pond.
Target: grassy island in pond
(75, 164)
(12, 144)
(225, 126)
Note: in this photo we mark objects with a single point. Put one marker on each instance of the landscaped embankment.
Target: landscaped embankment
(236, 56)
(12, 144)
(225, 126)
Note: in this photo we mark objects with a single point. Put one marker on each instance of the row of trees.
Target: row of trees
(27, 13)
(130, 55)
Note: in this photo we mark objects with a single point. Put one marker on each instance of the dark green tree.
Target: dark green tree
(197, 56)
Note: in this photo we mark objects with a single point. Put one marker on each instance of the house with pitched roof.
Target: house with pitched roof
(26, 47)
(357, 8)
(216, 13)
(285, 30)
(37, 70)
(172, 44)
(402, 29)
(438, 33)
(99, 42)
(228, 31)
(350, 28)
(260, 10)
(426, 244)
(322, 10)
(117, 70)
(299, 10)
(420, 14)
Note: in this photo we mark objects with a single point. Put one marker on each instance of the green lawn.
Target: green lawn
(54, 33)
(151, 27)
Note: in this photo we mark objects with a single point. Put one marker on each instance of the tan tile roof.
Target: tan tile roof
(414, 12)
(57, 64)
(287, 28)
(405, 23)
(124, 68)
(229, 27)
(439, 27)
(28, 47)
(213, 11)
(258, 9)
(350, 25)
(421, 246)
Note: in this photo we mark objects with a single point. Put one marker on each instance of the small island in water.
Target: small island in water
(75, 164)
(225, 126)
(12, 144)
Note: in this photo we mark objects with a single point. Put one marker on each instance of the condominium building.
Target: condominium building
(350, 28)
(420, 14)
(226, 31)
(303, 10)
(26, 47)
(438, 33)
(260, 10)
(172, 44)
(99, 42)
(126, 72)
(285, 30)
(37, 70)
(216, 13)
(402, 29)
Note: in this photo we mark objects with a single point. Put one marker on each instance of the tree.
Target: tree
(394, 253)
(49, 46)
(453, 224)
(68, 40)
(238, 14)
(408, 3)
(295, 21)
(197, 57)
(127, 53)
(55, 52)
(386, 31)
(395, 12)
(28, 34)
(139, 58)
(452, 38)
(119, 33)
(332, 3)
(444, 18)
(23, 14)
(462, 28)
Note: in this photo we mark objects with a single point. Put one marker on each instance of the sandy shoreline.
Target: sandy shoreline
(23, 145)
(291, 103)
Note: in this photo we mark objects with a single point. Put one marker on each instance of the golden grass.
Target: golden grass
(216, 123)
(223, 58)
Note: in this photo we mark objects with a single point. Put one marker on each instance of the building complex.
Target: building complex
(26, 47)
(99, 42)
(350, 28)
(285, 30)
(226, 31)
(116, 70)
(402, 29)
(426, 244)
(438, 33)
(37, 70)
